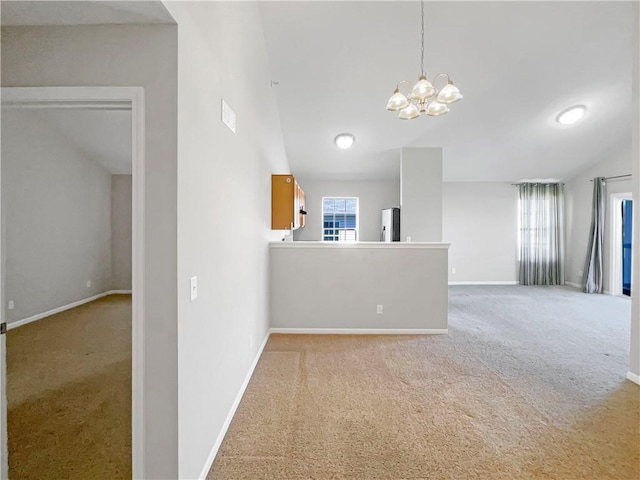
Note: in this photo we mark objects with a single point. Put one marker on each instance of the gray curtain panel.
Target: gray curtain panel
(541, 234)
(593, 266)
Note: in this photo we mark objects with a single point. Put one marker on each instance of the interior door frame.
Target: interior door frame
(100, 98)
(615, 239)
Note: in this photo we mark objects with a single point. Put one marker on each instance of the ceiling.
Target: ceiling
(518, 65)
(102, 136)
(83, 13)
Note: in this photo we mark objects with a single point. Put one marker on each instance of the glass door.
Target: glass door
(627, 222)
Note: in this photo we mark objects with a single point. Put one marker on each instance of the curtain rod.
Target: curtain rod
(611, 178)
(561, 183)
(537, 183)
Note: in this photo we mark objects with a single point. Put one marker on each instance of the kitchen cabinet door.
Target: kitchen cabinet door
(287, 202)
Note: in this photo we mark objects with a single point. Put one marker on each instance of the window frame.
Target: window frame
(357, 228)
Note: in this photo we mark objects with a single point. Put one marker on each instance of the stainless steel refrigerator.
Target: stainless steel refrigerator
(390, 231)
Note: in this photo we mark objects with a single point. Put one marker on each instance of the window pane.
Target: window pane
(327, 205)
(339, 219)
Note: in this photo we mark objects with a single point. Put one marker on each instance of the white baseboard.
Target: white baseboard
(48, 313)
(633, 377)
(504, 282)
(361, 331)
(232, 412)
(579, 287)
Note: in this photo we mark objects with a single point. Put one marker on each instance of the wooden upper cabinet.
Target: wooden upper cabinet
(287, 203)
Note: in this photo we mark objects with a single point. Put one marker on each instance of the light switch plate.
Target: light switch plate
(228, 116)
(194, 288)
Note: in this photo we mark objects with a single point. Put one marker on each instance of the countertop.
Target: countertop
(386, 245)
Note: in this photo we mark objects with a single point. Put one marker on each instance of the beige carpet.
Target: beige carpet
(69, 394)
(499, 397)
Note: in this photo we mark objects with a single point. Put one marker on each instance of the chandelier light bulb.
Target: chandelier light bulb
(409, 112)
(436, 109)
(344, 141)
(397, 101)
(423, 89)
(449, 94)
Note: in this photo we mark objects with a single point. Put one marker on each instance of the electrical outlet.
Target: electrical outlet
(194, 288)
(580, 273)
(88, 283)
(379, 310)
(408, 239)
(453, 270)
(11, 305)
(250, 341)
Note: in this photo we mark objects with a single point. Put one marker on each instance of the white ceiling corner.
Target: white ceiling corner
(91, 12)
(101, 136)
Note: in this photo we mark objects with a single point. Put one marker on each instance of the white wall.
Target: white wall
(480, 221)
(421, 194)
(224, 212)
(58, 207)
(373, 197)
(337, 286)
(578, 198)
(121, 232)
(128, 55)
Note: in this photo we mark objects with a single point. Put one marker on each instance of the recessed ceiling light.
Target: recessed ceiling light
(344, 140)
(571, 115)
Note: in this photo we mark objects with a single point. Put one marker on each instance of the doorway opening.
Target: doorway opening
(620, 237)
(627, 234)
(121, 191)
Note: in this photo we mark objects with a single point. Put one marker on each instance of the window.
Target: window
(339, 219)
(541, 234)
(535, 233)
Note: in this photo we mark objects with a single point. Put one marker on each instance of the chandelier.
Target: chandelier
(424, 97)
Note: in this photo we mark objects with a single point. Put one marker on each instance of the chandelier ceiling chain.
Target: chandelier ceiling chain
(424, 97)
(422, 38)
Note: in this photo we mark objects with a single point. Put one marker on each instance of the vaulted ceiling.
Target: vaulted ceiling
(518, 65)
(101, 136)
